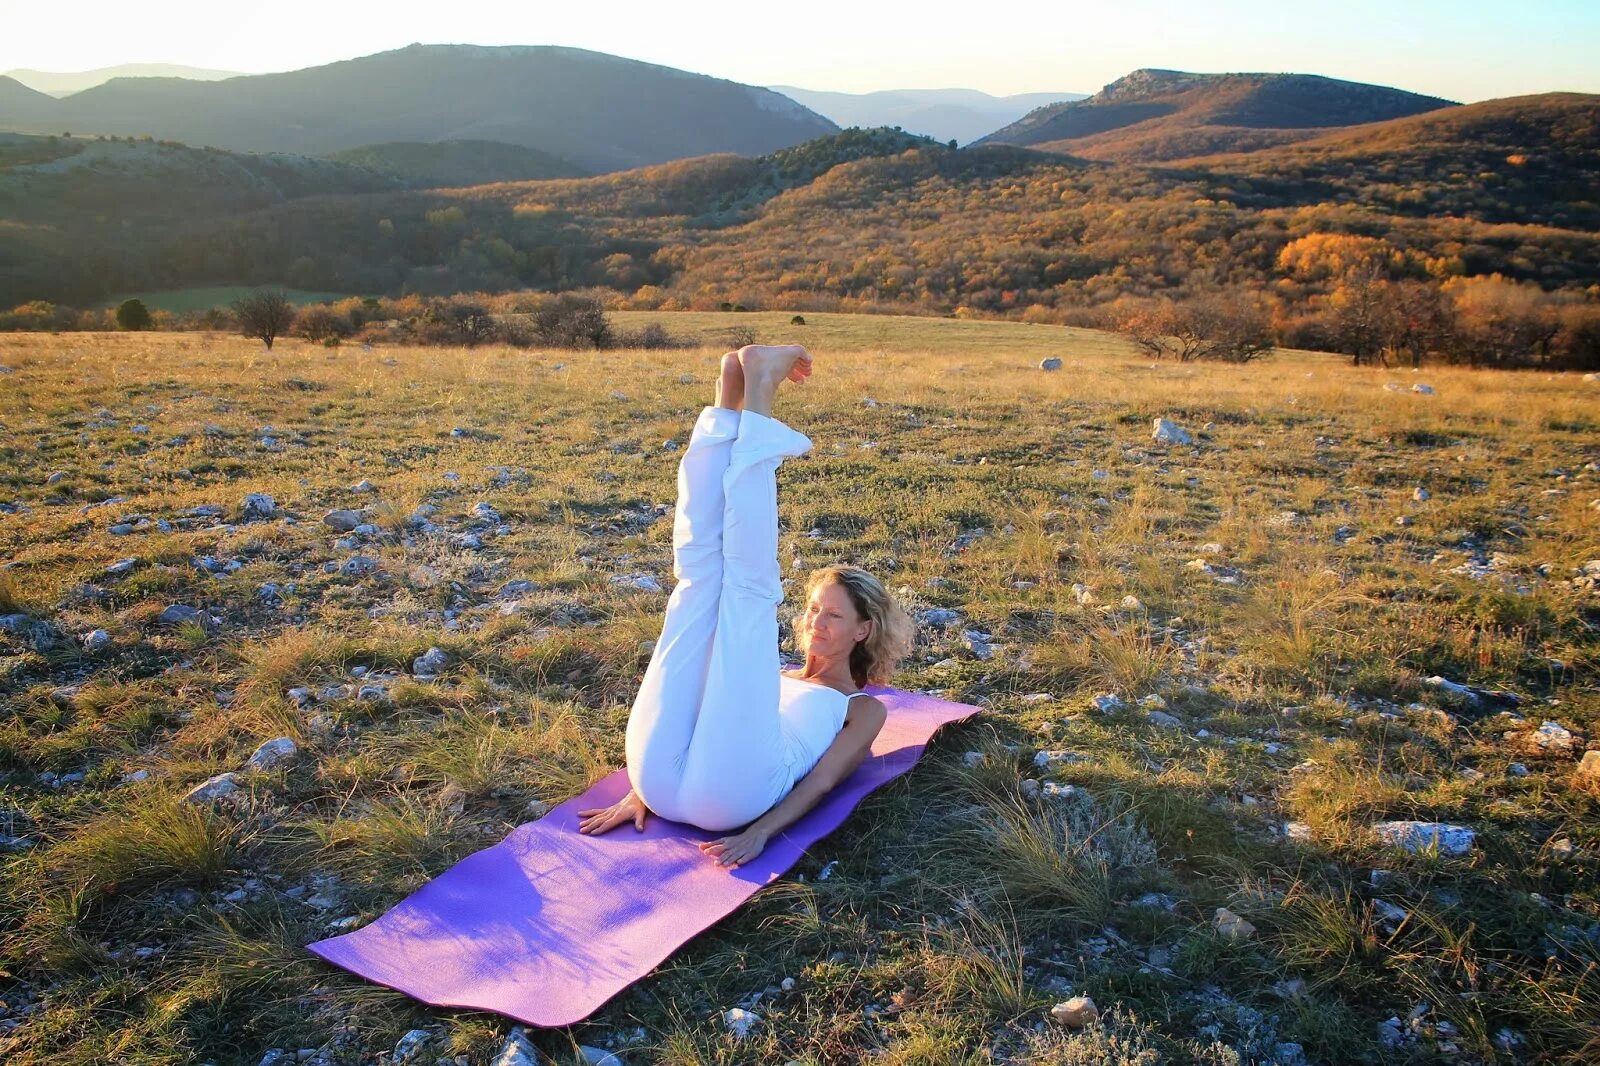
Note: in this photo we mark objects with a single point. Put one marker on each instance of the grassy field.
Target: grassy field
(1269, 606)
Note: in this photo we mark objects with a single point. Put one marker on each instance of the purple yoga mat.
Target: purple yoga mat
(548, 924)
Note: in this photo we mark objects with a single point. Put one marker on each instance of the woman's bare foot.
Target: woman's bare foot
(730, 384)
(766, 366)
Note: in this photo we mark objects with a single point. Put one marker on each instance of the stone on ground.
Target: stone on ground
(1169, 432)
(1076, 1013)
(1420, 836)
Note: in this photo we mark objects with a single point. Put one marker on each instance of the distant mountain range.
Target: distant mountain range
(53, 83)
(584, 112)
(1152, 116)
(962, 115)
(598, 111)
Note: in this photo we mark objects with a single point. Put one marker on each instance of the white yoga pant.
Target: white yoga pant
(703, 742)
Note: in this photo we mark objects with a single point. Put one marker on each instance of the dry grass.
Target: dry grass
(961, 905)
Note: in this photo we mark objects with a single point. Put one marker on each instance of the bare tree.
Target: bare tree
(1417, 319)
(266, 314)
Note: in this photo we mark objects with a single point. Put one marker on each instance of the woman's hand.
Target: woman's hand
(600, 819)
(735, 850)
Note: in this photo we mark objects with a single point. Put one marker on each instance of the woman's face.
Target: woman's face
(831, 622)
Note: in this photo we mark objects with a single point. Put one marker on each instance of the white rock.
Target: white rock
(1421, 836)
(972, 759)
(1167, 432)
(1106, 703)
(1421, 494)
(258, 505)
(342, 520)
(1045, 760)
(740, 1021)
(518, 1050)
(1231, 925)
(1164, 720)
(430, 662)
(213, 788)
(272, 754)
(411, 1048)
(1076, 1013)
(96, 640)
(593, 1056)
(1426, 390)
(643, 582)
(1552, 737)
(1299, 831)
(1050, 364)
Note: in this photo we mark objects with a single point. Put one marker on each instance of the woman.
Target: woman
(717, 736)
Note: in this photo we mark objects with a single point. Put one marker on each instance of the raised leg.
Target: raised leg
(664, 710)
(703, 740)
(734, 769)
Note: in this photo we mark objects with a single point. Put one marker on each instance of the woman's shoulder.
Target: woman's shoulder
(865, 706)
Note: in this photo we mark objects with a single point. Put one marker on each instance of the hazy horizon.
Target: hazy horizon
(1467, 51)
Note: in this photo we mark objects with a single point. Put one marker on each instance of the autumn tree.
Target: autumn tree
(1502, 322)
(1415, 318)
(1226, 328)
(1358, 306)
(266, 314)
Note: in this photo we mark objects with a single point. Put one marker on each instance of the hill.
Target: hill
(1525, 159)
(457, 163)
(1157, 115)
(65, 83)
(29, 106)
(599, 111)
(86, 215)
(963, 115)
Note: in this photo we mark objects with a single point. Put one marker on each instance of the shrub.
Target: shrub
(132, 314)
(570, 321)
(798, 320)
(653, 336)
(42, 314)
(322, 324)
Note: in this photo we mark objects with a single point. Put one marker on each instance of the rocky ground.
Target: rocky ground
(1289, 751)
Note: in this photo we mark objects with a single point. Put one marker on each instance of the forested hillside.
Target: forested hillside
(1490, 199)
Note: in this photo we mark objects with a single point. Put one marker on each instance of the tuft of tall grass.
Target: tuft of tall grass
(397, 840)
(1064, 858)
(1341, 792)
(1111, 653)
(158, 838)
(976, 961)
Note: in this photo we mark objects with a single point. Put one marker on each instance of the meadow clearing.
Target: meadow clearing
(1209, 672)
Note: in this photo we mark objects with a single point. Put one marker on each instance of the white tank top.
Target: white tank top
(810, 717)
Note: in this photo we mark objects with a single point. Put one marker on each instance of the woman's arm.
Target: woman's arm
(847, 752)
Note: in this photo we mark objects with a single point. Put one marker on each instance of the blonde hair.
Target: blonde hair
(873, 659)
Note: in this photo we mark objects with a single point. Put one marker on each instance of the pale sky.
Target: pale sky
(1465, 50)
